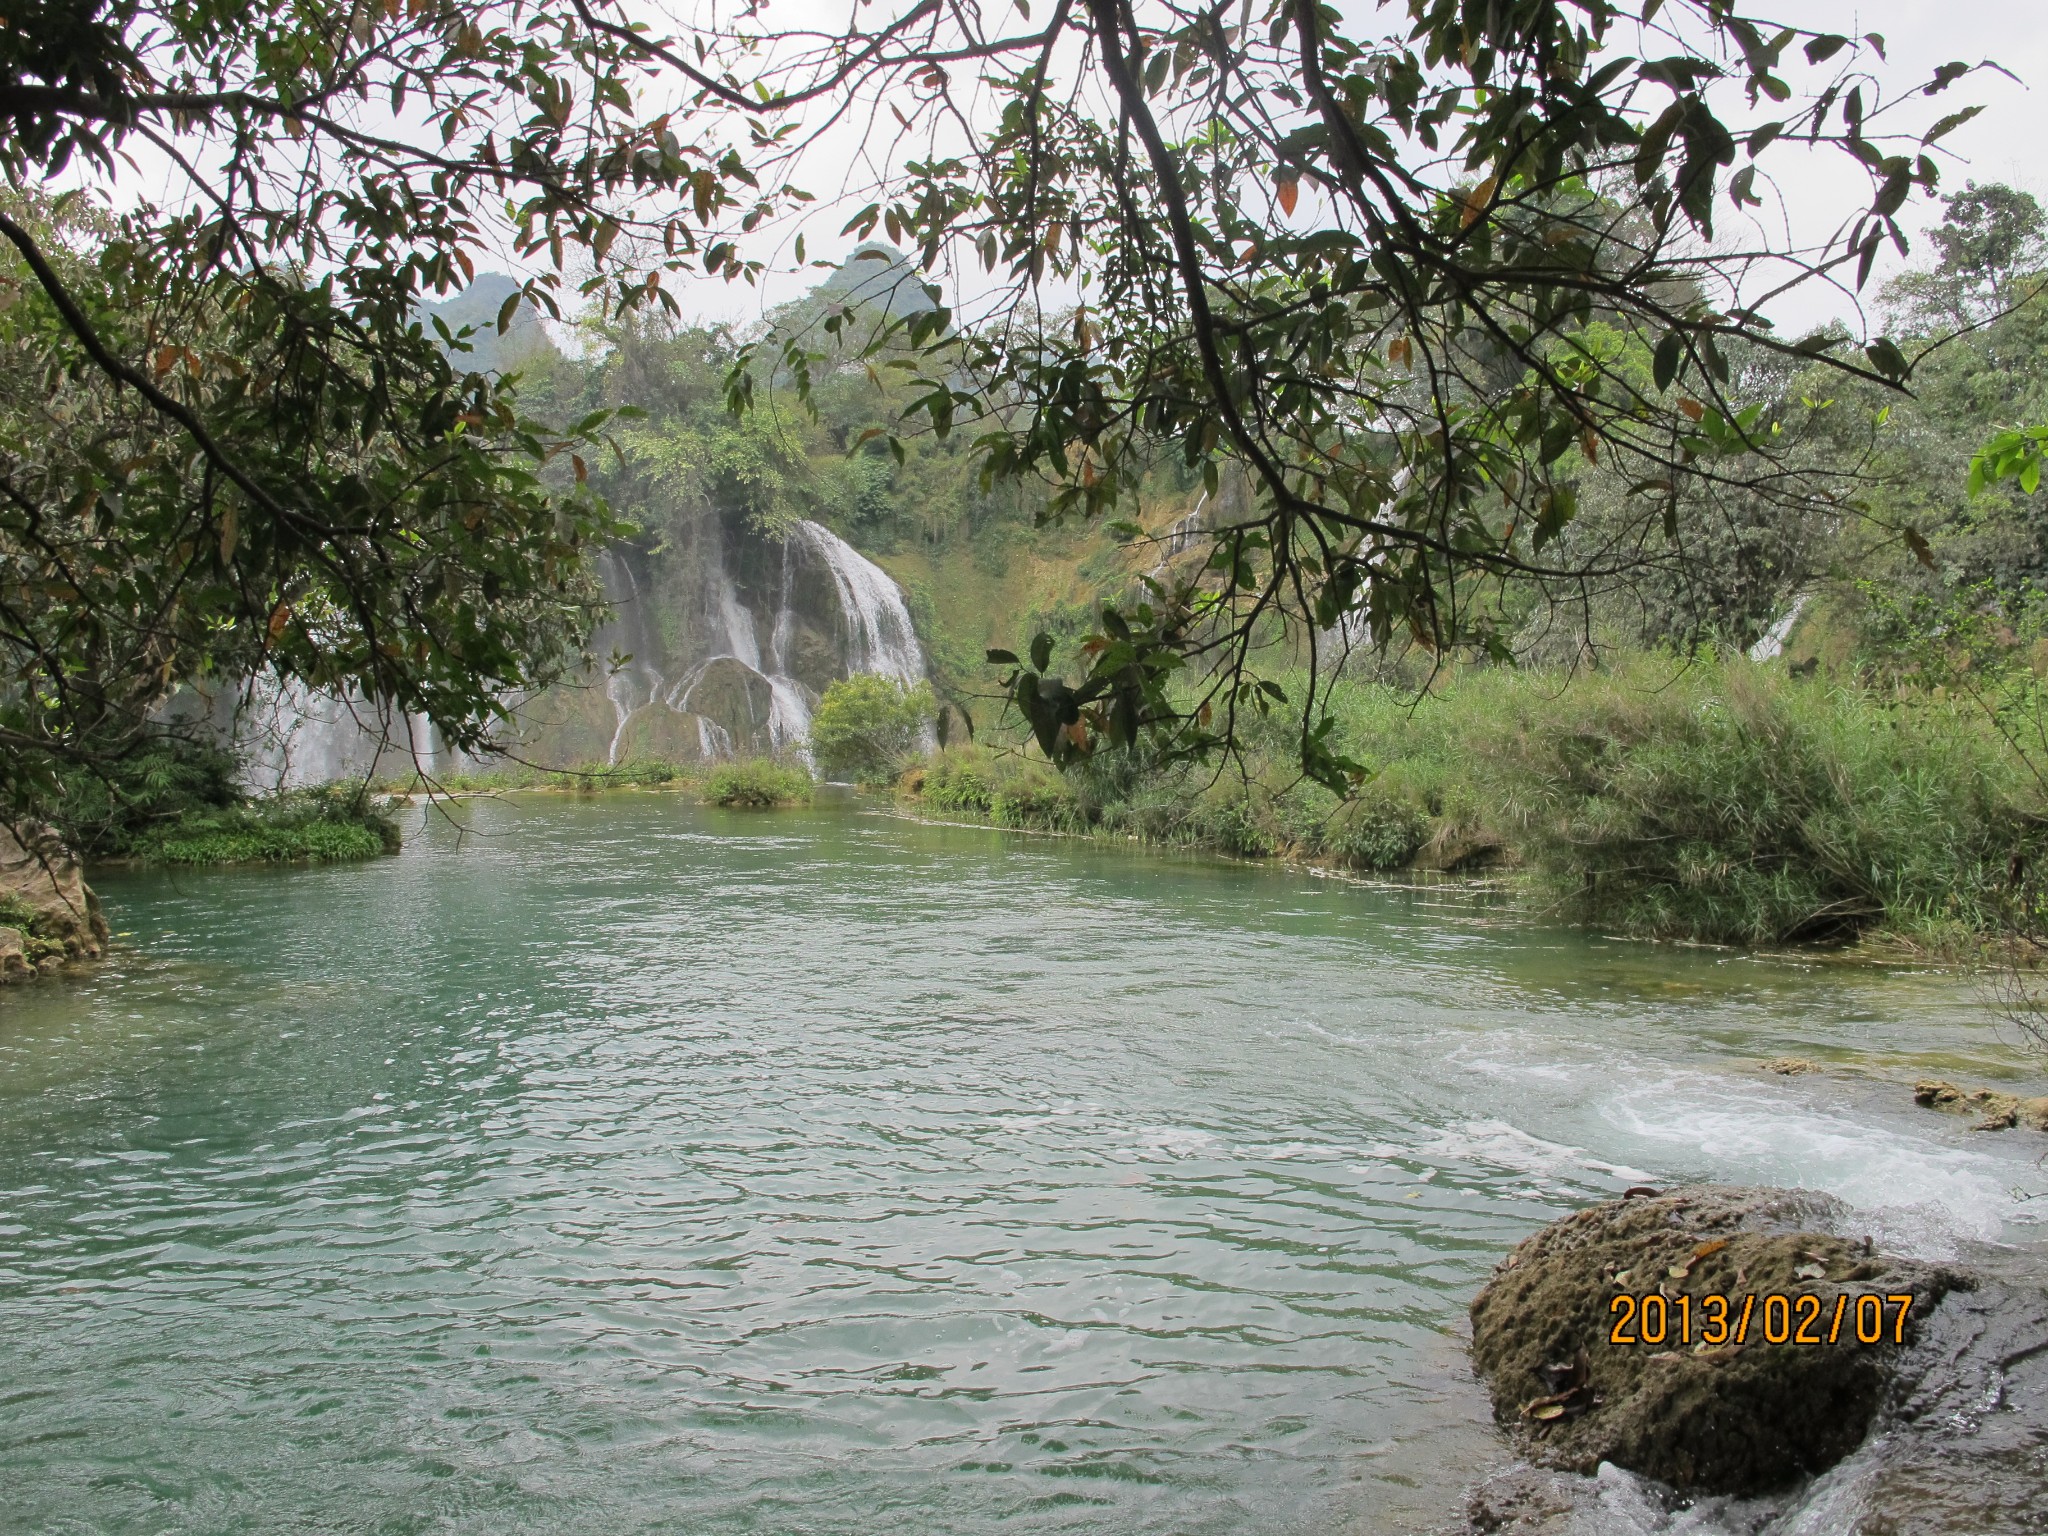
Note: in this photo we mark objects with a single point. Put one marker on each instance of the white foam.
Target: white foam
(1918, 1195)
(1508, 1146)
(1172, 1141)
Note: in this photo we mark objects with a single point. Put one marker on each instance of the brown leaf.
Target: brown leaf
(1289, 191)
(1921, 550)
(1692, 408)
(1706, 1248)
(1475, 202)
(280, 616)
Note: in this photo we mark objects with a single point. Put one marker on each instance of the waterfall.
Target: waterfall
(628, 630)
(789, 712)
(1772, 645)
(880, 635)
(834, 613)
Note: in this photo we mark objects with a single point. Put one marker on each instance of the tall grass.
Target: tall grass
(1713, 800)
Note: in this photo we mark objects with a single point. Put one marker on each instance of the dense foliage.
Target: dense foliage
(868, 728)
(314, 826)
(757, 784)
(233, 435)
(1717, 801)
(1408, 271)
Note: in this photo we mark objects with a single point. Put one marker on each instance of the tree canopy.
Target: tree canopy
(1412, 271)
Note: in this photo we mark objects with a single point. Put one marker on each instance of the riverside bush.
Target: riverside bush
(1737, 804)
(868, 727)
(757, 783)
(1711, 800)
(309, 826)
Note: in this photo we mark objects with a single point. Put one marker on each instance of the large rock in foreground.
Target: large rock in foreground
(48, 914)
(1701, 1412)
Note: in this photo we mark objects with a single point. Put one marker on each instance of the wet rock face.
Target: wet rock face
(1728, 1414)
(41, 880)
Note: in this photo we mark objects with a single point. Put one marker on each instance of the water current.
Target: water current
(622, 1166)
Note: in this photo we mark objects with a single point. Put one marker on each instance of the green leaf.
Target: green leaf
(1002, 658)
(1041, 651)
(1950, 123)
(1670, 353)
(1887, 359)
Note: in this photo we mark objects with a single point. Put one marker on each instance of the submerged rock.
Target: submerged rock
(56, 915)
(1733, 1413)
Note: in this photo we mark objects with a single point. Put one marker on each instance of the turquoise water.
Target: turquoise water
(621, 1166)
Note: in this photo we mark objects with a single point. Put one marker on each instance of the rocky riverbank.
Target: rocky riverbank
(49, 916)
(1935, 1420)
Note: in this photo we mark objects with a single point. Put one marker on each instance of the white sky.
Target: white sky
(2008, 142)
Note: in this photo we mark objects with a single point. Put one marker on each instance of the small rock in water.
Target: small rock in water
(1720, 1410)
(1791, 1066)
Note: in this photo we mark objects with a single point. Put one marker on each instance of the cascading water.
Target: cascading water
(875, 634)
(753, 649)
(880, 636)
(629, 687)
(1772, 644)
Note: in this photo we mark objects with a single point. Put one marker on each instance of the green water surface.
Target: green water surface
(622, 1166)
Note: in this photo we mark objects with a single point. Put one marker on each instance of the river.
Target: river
(618, 1165)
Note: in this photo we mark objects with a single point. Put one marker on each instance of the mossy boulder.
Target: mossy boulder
(1727, 1417)
(50, 915)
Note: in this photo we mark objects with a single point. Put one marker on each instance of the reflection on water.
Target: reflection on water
(623, 1166)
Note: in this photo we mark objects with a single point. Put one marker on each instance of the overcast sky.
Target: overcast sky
(2008, 142)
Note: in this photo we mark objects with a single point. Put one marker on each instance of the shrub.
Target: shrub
(109, 815)
(1030, 792)
(1375, 831)
(1009, 788)
(1741, 806)
(868, 727)
(959, 780)
(757, 782)
(315, 826)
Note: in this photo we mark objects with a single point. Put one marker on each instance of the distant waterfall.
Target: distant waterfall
(880, 637)
(285, 736)
(639, 680)
(728, 652)
(1772, 644)
(876, 635)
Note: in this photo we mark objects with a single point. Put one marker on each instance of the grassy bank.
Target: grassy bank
(313, 826)
(1713, 801)
(748, 782)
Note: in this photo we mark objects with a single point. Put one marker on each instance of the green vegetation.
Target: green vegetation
(868, 728)
(108, 810)
(759, 783)
(310, 826)
(633, 773)
(37, 943)
(1711, 800)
